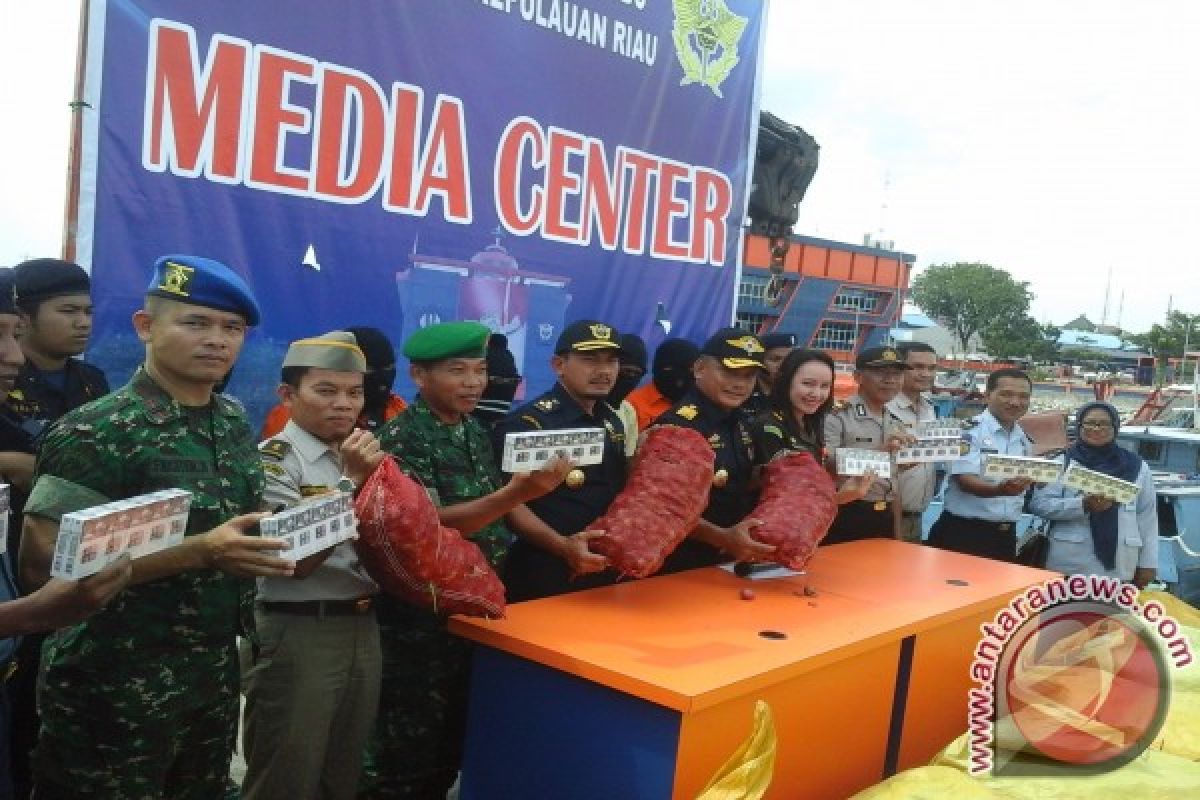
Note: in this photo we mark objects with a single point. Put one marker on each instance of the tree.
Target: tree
(1167, 341)
(968, 298)
(1021, 337)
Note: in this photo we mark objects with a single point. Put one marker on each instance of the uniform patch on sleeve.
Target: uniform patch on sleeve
(274, 469)
(276, 449)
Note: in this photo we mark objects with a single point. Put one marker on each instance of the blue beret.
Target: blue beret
(203, 282)
(447, 340)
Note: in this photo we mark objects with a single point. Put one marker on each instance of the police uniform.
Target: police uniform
(732, 496)
(312, 693)
(141, 700)
(853, 424)
(532, 572)
(416, 747)
(982, 526)
(42, 397)
(918, 483)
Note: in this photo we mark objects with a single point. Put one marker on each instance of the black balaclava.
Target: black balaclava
(381, 371)
(633, 367)
(672, 370)
(503, 380)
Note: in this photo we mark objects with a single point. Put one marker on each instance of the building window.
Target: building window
(750, 322)
(834, 336)
(753, 289)
(861, 300)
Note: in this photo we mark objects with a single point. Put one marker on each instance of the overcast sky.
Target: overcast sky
(1056, 139)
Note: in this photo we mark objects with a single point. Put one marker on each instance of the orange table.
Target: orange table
(645, 688)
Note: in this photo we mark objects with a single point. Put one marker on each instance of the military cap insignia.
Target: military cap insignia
(546, 404)
(889, 355)
(688, 412)
(276, 449)
(747, 343)
(176, 279)
(601, 331)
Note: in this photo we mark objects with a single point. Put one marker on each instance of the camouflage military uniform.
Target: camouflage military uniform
(141, 700)
(417, 745)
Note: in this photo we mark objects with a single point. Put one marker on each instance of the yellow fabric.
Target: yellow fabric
(1170, 768)
(747, 773)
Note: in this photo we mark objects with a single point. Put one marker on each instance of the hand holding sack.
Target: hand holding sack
(796, 508)
(412, 556)
(662, 501)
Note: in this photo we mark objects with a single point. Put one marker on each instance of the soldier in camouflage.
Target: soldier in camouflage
(417, 745)
(141, 700)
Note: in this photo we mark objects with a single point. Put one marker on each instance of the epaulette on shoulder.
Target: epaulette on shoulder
(102, 408)
(230, 405)
(276, 449)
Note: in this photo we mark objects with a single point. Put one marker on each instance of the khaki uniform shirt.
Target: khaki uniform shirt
(917, 483)
(298, 465)
(855, 426)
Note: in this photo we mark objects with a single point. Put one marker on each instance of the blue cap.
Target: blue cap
(203, 282)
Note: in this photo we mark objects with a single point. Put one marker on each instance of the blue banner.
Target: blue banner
(399, 162)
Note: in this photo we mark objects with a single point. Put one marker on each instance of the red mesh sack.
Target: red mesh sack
(411, 555)
(662, 501)
(796, 508)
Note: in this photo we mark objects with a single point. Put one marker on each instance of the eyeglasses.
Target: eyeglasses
(1098, 426)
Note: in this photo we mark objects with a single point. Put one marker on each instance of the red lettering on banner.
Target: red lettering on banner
(521, 134)
(635, 208)
(444, 165)
(560, 183)
(193, 116)
(275, 117)
(348, 171)
(667, 209)
(711, 206)
(601, 197)
(408, 103)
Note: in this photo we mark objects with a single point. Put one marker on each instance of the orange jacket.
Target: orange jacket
(648, 402)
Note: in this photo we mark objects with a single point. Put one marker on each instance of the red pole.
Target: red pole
(71, 217)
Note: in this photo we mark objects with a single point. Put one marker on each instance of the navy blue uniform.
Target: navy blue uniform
(733, 496)
(532, 572)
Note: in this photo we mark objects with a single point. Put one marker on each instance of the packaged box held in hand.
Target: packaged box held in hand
(1040, 470)
(526, 451)
(1089, 481)
(853, 461)
(929, 450)
(312, 526)
(90, 539)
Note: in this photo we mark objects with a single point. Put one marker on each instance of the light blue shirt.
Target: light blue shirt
(987, 436)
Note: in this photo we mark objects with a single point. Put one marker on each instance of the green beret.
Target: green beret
(337, 351)
(448, 340)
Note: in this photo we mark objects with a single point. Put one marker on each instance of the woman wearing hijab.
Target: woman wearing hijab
(801, 396)
(1092, 535)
